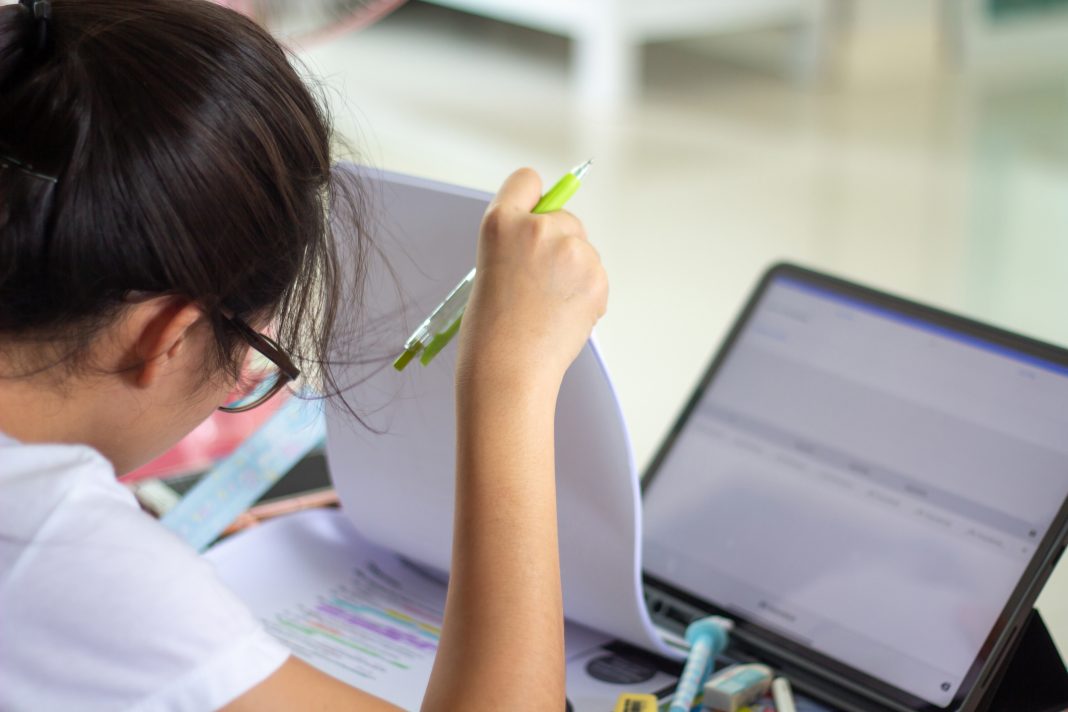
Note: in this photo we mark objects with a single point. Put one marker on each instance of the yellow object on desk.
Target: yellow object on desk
(634, 702)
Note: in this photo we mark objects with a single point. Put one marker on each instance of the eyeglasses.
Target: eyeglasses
(267, 370)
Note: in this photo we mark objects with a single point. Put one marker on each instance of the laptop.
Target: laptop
(874, 490)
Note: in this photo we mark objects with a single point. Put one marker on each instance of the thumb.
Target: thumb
(520, 191)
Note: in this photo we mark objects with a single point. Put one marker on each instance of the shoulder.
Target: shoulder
(105, 604)
(40, 483)
(42, 476)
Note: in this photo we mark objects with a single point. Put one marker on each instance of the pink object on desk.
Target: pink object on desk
(211, 441)
(245, 7)
(330, 23)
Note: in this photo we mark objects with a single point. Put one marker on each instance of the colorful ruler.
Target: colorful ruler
(233, 485)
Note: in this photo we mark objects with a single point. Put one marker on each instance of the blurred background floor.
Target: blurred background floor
(894, 170)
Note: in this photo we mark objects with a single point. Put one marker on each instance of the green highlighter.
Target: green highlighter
(437, 330)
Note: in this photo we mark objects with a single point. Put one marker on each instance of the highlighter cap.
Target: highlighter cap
(737, 686)
(715, 629)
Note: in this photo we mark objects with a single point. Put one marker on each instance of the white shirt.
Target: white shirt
(101, 608)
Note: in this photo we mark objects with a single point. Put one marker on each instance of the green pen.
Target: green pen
(437, 330)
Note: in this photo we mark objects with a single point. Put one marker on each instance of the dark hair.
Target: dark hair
(191, 159)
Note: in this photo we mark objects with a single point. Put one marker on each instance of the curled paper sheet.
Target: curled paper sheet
(396, 478)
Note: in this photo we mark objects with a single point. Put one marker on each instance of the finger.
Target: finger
(567, 224)
(521, 190)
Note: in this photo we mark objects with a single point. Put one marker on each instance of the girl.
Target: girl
(164, 185)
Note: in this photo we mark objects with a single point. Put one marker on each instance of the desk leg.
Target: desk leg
(606, 61)
(819, 37)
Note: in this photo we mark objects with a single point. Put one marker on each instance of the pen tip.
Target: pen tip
(581, 170)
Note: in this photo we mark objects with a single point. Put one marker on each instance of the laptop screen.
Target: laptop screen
(864, 482)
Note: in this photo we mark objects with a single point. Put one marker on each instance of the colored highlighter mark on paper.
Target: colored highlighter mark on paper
(356, 627)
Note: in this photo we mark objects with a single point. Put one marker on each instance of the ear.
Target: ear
(157, 331)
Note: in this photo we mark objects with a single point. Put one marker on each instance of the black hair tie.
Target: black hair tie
(42, 22)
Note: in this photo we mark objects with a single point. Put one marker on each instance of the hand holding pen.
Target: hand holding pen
(540, 290)
(442, 325)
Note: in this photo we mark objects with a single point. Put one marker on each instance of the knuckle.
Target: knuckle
(595, 253)
(492, 220)
(579, 228)
(601, 280)
(572, 252)
(536, 229)
(599, 283)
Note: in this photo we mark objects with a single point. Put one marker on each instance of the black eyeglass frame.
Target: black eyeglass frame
(270, 350)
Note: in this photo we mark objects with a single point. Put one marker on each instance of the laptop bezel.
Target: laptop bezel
(992, 654)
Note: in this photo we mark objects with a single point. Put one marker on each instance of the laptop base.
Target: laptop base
(1036, 679)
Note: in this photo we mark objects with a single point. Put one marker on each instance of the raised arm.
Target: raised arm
(540, 289)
